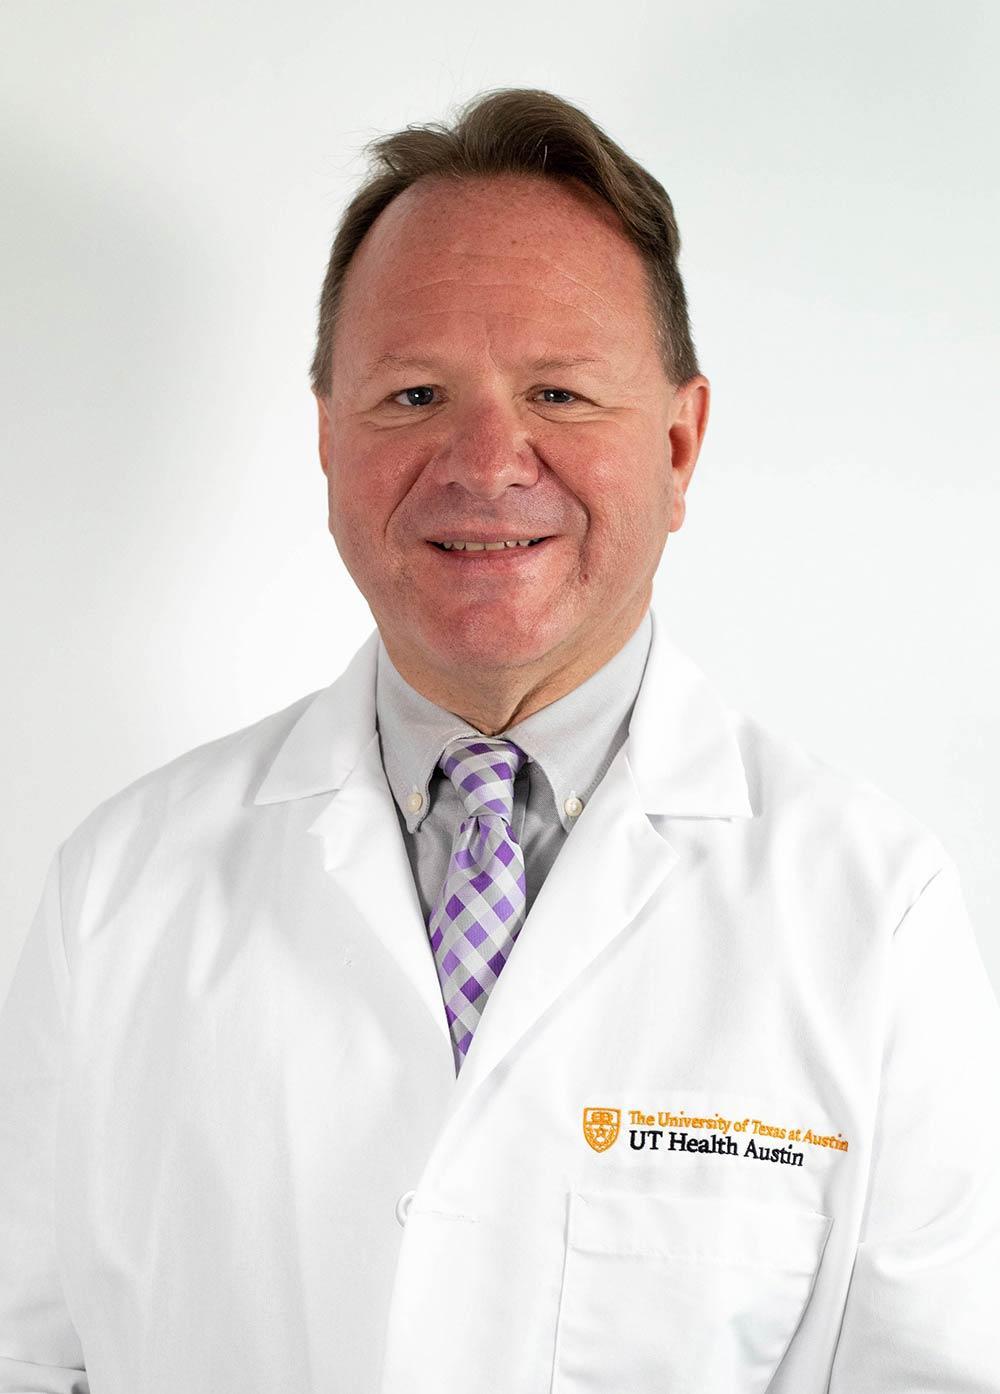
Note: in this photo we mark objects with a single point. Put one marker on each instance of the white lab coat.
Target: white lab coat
(729, 1122)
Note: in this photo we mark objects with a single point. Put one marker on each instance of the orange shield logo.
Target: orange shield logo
(600, 1127)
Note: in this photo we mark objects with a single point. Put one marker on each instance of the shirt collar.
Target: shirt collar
(685, 743)
(570, 743)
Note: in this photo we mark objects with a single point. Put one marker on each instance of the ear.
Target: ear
(688, 422)
(323, 406)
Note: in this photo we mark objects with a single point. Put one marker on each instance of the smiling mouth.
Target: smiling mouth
(481, 548)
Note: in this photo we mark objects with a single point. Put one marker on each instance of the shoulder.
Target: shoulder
(212, 782)
(832, 825)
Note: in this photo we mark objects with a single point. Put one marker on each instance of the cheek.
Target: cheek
(363, 490)
(625, 494)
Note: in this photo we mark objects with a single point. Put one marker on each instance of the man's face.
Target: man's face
(449, 418)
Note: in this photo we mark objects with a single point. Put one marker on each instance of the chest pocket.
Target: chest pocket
(696, 1295)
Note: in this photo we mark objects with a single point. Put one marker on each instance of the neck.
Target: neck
(492, 701)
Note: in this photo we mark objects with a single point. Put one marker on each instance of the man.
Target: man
(510, 1015)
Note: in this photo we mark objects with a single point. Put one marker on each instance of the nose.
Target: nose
(486, 450)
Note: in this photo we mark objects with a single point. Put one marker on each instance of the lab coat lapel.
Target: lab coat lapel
(681, 759)
(364, 853)
(334, 748)
(610, 865)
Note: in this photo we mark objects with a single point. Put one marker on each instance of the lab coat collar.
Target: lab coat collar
(681, 745)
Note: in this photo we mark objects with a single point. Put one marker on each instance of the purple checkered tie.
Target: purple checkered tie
(480, 907)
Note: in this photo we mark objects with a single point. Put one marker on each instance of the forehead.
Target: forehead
(525, 260)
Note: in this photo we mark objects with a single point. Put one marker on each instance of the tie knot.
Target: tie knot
(482, 771)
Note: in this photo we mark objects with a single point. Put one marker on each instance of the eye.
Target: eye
(409, 392)
(560, 391)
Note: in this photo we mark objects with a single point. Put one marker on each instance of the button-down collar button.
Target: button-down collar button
(414, 801)
(403, 1206)
(573, 806)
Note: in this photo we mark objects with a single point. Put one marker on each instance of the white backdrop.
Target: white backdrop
(171, 177)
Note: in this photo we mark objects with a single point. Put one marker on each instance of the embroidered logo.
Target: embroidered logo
(665, 1131)
(600, 1126)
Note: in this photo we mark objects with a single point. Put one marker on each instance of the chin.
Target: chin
(488, 638)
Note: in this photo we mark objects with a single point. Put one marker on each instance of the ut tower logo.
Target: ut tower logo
(600, 1126)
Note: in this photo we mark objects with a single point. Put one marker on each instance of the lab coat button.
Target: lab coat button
(403, 1206)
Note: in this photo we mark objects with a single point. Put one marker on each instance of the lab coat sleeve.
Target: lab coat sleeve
(921, 1309)
(40, 1352)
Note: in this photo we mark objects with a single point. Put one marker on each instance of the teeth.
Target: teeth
(487, 546)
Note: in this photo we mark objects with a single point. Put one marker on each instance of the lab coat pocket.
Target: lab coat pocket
(691, 1294)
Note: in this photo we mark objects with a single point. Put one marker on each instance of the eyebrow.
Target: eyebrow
(536, 365)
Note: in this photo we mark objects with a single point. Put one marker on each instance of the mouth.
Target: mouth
(492, 553)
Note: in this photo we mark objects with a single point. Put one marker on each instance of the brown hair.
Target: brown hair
(520, 130)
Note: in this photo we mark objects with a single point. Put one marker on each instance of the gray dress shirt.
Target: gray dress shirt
(569, 744)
